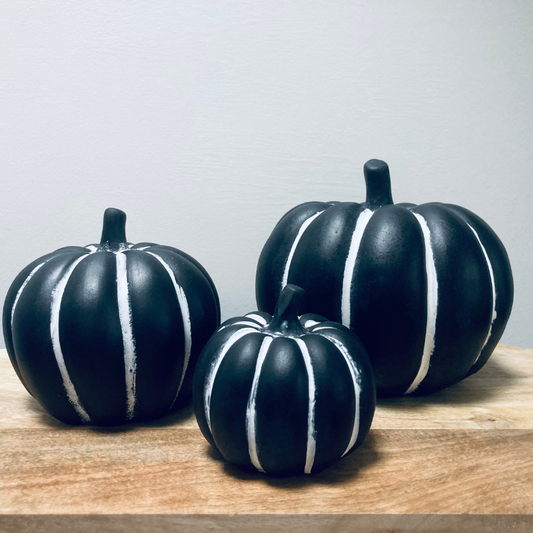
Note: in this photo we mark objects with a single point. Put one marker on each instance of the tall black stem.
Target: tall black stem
(114, 230)
(378, 187)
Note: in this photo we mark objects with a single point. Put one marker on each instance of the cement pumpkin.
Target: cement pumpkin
(428, 289)
(110, 333)
(284, 395)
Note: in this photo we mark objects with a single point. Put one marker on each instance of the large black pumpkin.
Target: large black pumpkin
(428, 289)
(110, 333)
(284, 395)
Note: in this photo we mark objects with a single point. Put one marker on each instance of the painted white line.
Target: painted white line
(124, 312)
(21, 289)
(242, 323)
(493, 287)
(301, 231)
(347, 280)
(251, 414)
(213, 369)
(431, 306)
(57, 296)
(311, 430)
(186, 318)
(257, 318)
(356, 381)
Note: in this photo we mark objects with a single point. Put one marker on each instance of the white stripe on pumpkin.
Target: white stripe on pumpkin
(128, 340)
(251, 414)
(356, 381)
(242, 323)
(55, 310)
(213, 369)
(186, 319)
(22, 287)
(493, 288)
(431, 307)
(347, 281)
(257, 318)
(301, 231)
(311, 430)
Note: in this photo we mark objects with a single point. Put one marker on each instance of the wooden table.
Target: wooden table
(458, 460)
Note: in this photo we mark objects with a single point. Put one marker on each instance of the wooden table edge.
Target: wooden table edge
(250, 523)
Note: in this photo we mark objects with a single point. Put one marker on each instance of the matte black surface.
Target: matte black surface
(334, 414)
(203, 305)
(368, 388)
(277, 250)
(389, 297)
(91, 339)
(326, 242)
(8, 306)
(32, 342)
(282, 409)
(464, 297)
(157, 325)
(230, 398)
(502, 277)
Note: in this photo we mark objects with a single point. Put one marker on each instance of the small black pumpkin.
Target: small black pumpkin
(428, 289)
(110, 333)
(284, 395)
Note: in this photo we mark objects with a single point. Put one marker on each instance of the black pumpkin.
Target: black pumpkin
(110, 333)
(428, 289)
(284, 395)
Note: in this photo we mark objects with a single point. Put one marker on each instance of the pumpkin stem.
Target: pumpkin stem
(114, 230)
(286, 316)
(378, 188)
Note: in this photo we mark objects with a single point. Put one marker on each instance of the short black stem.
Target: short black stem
(286, 316)
(114, 230)
(378, 187)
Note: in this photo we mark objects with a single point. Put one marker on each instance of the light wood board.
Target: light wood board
(458, 460)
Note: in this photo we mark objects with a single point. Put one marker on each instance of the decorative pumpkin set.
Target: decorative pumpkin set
(112, 333)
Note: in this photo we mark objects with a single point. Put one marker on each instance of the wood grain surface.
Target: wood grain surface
(458, 460)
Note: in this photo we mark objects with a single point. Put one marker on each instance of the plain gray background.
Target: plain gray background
(206, 121)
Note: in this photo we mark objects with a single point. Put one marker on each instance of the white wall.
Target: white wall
(206, 120)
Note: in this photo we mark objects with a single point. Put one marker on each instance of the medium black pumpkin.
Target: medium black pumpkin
(284, 395)
(110, 333)
(428, 289)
